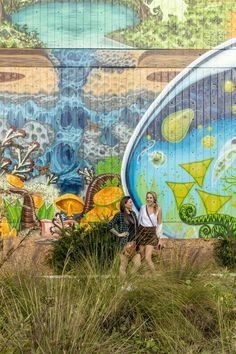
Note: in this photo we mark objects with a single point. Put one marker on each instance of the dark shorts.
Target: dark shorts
(122, 242)
(147, 236)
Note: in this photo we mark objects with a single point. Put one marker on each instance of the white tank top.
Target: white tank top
(144, 219)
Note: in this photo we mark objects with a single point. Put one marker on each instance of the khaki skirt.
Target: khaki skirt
(147, 236)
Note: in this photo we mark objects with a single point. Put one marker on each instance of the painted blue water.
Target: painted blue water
(76, 25)
(69, 118)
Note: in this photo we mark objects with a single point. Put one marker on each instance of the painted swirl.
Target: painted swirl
(223, 225)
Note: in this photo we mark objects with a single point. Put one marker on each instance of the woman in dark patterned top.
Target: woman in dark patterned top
(127, 225)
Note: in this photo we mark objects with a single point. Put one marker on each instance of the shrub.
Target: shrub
(225, 252)
(76, 244)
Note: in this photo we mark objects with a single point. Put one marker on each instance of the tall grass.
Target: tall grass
(179, 310)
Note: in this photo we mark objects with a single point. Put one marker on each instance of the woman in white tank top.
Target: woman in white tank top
(150, 228)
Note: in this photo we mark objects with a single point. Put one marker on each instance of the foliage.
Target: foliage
(13, 213)
(75, 244)
(204, 28)
(15, 5)
(225, 252)
(111, 183)
(110, 164)
(15, 36)
(90, 312)
(45, 212)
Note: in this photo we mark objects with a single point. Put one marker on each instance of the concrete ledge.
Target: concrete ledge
(32, 254)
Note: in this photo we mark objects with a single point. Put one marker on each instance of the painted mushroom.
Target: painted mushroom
(96, 214)
(107, 197)
(70, 204)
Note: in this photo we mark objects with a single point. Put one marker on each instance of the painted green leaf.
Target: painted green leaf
(142, 187)
(13, 213)
(50, 212)
(42, 212)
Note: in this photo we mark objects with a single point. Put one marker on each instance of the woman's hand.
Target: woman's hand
(124, 234)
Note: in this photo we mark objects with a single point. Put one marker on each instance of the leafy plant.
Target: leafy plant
(16, 36)
(45, 212)
(13, 212)
(76, 244)
(205, 27)
(225, 252)
(110, 164)
(111, 183)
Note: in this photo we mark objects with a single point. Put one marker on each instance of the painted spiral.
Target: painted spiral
(223, 225)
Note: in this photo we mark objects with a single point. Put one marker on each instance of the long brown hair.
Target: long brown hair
(123, 202)
(154, 195)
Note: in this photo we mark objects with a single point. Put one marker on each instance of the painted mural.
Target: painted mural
(79, 128)
(116, 23)
(67, 127)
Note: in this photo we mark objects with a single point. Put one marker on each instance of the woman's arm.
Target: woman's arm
(159, 216)
(159, 224)
(111, 226)
(140, 214)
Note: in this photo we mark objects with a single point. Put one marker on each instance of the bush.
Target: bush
(225, 252)
(76, 244)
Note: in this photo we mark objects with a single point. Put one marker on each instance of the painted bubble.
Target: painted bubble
(181, 121)
(233, 109)
(208, 142)
(229, 86)
(176, 125)
(158, 158)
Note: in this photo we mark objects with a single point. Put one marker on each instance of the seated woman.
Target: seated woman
(150, 228)
(127, 224)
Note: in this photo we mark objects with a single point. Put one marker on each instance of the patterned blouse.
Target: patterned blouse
(130, 226)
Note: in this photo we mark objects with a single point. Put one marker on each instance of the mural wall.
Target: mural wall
(118, 104)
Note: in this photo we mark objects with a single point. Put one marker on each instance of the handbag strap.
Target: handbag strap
(149, 216)
(135, 224)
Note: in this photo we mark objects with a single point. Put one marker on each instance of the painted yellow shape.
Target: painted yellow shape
(229, 86)
(5, 228)
(97, 214)
(176, 125)
(180, 191)
(208, 142)
(14, 181)
(213, 202)
(199, 126)
(197, 169)
(233, 109)
(107, 196)
(38, 200)
(70, 204)
(209, 129)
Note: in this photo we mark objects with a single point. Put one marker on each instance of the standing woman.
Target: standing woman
(150, 228)
(127, 224)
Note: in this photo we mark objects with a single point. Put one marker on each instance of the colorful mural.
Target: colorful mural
(81, 127)
(116, 24)
(186, 140)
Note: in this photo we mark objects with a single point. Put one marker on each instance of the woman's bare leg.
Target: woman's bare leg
(123, 265)
(142, 251)
(136, 263)
(148, 257)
